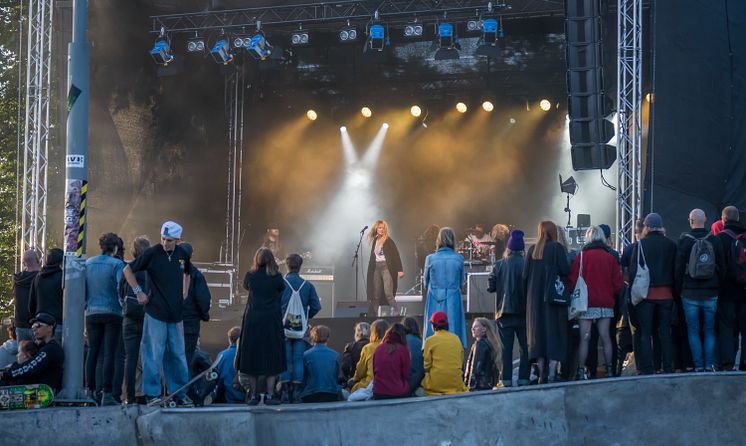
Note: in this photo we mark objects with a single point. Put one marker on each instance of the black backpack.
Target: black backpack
(737, 257)
(701, 264)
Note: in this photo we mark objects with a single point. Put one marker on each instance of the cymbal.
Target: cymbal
(488, 243)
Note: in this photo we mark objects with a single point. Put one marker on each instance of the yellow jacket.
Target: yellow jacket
(364, 368)
(444, 357)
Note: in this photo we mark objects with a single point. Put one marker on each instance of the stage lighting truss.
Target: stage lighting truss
(161, 51)
(221, 51)
(259, 47)
(299, 37)
(348, 34)
(376, 37)
(196, 45)
(413, 30)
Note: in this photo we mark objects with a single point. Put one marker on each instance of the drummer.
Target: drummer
(480, 240)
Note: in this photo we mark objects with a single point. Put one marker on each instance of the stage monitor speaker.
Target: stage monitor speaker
(478, 300)
(351, 308)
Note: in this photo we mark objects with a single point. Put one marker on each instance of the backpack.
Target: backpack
(737, 257)
(701, 265)
(641, 283)
(295, 320)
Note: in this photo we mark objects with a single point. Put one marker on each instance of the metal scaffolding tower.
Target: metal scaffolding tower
(629, 119)
(36, 128)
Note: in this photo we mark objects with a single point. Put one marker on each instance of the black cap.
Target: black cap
(45, 318)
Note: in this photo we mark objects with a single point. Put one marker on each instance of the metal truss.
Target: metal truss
(36, 128)
(629, 119)
(353, 10)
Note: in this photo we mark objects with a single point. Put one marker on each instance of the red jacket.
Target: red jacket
(602, 275)
(391, 370)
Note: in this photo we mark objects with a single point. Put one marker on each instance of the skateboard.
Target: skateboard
(168, 401)
(29, 396)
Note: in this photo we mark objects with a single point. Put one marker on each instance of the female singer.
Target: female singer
(384, 269)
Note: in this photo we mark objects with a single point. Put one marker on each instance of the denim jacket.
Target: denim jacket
(321, 365)
(102, 277)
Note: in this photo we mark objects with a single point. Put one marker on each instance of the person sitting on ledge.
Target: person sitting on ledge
(363, 378)
(351, 354)
(26, 350)
(444, 356)
(391, 365)
(320, 369)
(45, 367)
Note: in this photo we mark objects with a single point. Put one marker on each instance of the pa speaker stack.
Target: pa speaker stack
(588, 104)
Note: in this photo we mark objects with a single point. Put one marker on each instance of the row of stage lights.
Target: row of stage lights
(376, 34)
(416, 110)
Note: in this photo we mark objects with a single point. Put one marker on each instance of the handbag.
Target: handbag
(579, 298)
(641, 283)
(556, 292)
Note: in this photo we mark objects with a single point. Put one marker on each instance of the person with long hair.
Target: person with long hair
(384, 269)
(603, 277)
(546, 322)
(391, 363)
(261, 350)
(364, 369)
(414, 343)
(444, 276)
(483, 363)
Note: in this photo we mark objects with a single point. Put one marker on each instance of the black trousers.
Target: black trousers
(104, 331)
(655, 316)
(510, 327)
(191, 336)
(731, 321)
(132, 335)
(116, 390)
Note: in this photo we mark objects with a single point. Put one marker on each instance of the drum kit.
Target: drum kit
(476, 252)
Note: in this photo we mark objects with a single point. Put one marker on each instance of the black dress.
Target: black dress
(546, 324)
(261, 349)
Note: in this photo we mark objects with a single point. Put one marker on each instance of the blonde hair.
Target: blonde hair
(594, 234)
(500, 232)
(491, 334)
(562, 238)
(373, 233)
(378, 330)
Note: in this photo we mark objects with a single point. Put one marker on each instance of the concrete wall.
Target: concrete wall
(678, 409)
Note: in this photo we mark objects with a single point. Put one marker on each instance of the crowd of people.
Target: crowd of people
(658, 306)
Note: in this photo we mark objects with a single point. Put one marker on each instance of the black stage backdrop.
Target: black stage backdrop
(699, 110)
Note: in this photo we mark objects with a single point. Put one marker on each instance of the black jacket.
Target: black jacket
(481, 372)
(46, 293)
(698, 288)
(730, 289)
(197, 303)
(21, 289)
(393, 262)
(506, 280)
(131, 309)
(660, 254)
(44, 368)
(350, 358)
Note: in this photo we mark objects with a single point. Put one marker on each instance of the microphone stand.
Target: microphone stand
(356, 262)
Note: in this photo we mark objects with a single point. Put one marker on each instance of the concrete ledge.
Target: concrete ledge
(686, 409)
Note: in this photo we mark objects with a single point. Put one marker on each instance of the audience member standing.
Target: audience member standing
(654, 313)
(22, 281)
(168, 267)
(546, 322)
(483, 363)
(196, 307)
(444, 358)
(603, 277)
(45, 295)
(414, 344)
(391, 365)
(731, 307)
(506, 280)
(103, 315)
(261, 351)
(443, 278)
(698, 281)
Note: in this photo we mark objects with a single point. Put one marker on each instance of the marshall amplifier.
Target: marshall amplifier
(322, 278)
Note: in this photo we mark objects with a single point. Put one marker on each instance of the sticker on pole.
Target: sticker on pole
(76, 161)
(72, 96)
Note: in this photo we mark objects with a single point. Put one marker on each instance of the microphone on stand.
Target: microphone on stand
(363, 230)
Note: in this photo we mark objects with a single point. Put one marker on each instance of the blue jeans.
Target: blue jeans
(294, 349)
(692, 310)
(162, 345)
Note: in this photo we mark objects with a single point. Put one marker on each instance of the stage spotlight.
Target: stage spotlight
(473, 25)
(366, 111)
(196, 45)
(221, 51)
(461, 107)
(650, 97)
(512, 120)
(413, 30)
(161, 52)
(376, 37)
(488, 106)
(239, 41)
(299, 38)
(416, 111)
(545, 105)
(259, 47)
(312, 115)
(385, 125)
(343, 129)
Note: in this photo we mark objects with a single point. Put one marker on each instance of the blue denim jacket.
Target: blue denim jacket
(102, 277)
(321, 369)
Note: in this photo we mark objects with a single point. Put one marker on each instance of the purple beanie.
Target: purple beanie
(515, 242)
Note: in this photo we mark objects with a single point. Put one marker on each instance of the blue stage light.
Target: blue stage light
(161, 52)
(376, 37)
(221, 51)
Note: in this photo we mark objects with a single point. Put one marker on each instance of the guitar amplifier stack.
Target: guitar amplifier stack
(322, 278)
